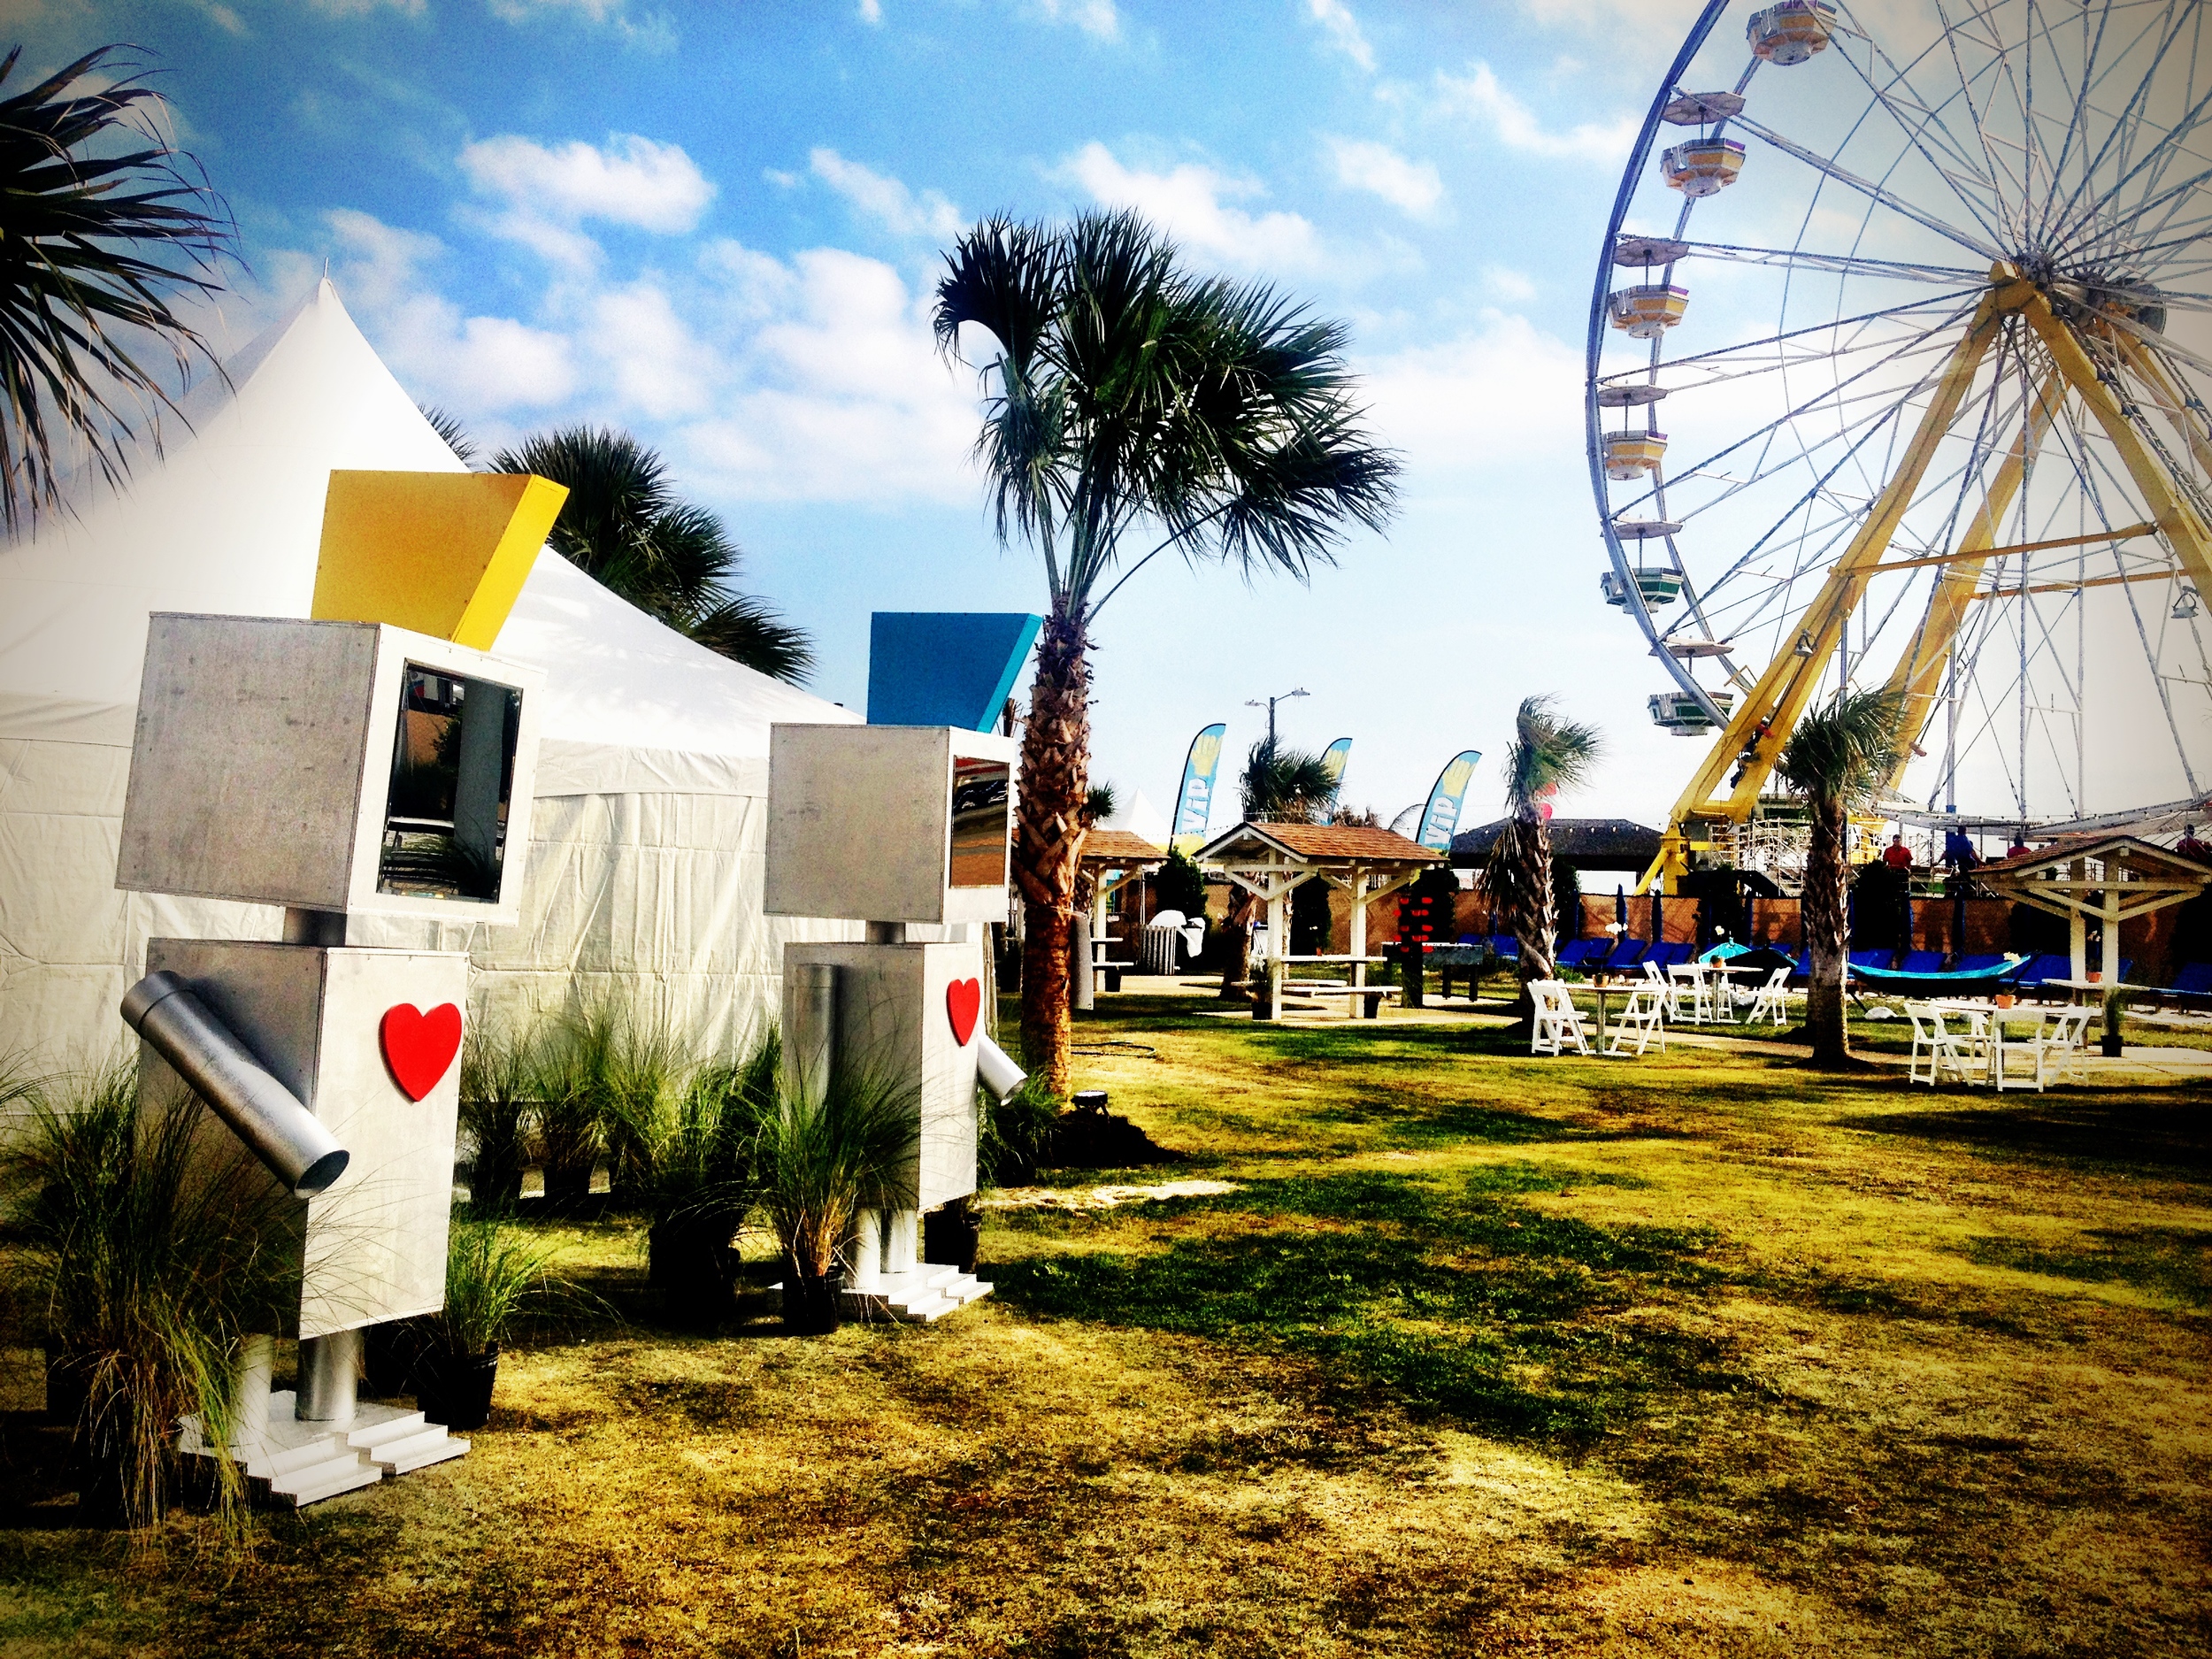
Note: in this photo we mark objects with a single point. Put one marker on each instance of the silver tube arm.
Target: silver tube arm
(996, 1068)
(288, 1139)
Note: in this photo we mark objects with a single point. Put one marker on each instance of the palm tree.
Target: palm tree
(1836, 758)
(1285, 785)
(1547, 754)
(102, 232)
(623, 526)
(1129, 399)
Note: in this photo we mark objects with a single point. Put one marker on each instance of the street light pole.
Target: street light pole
(1254, 702)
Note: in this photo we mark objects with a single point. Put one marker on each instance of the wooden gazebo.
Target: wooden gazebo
(2114, 879)
(1270, 861)
(1111, 859)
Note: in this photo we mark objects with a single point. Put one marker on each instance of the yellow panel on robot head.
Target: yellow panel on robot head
(443, 554)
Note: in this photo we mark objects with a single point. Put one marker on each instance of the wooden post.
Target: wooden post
(1277, 922)
(1359, 928)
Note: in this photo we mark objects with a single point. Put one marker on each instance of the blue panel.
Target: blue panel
(945, 667)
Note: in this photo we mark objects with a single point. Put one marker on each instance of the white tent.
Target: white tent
(644, 873)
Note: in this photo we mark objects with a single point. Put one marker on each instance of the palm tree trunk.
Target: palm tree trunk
(1530, 904)
(1048, 838)
(1823, 909)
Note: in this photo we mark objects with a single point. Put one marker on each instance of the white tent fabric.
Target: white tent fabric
(644, 876)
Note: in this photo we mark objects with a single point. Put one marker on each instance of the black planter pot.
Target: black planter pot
(952, 1235)
(455, 1390)
(389, 1353)
(810, 1303)
(67, 1388)
(2113, 1044)
(689, 1261)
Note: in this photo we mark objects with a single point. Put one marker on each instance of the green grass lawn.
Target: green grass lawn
(1704, 1354)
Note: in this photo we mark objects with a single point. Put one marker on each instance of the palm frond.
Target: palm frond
(673, 560)
(1285, 785)
(447, 425)
(95, 251)
(1844, 751)
(1547, 755)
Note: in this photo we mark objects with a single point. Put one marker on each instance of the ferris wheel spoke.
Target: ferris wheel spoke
(1917, 133)
(1850, 264)
(2121, 122)
(2079, 452)
(2171, 136)
(2098, 233)
(1851, 181)
(1997, 169)
(1961, 305)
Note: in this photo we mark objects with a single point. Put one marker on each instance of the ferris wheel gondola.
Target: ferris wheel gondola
(1934, 395)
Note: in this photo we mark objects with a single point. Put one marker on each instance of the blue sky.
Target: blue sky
(716, 226)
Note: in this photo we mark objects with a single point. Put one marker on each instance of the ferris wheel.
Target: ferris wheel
(1898, 364)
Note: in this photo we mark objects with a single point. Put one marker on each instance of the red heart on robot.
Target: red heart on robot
(963, 1000)
(418, 1047)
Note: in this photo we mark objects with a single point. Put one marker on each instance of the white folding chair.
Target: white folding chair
(1686, 996)
(1943, 1048)
(1769, 1000)
(1558, 1024)
(2062, 1045)
(1644, 1018)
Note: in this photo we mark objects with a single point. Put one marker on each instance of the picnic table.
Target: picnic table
(1362, 999)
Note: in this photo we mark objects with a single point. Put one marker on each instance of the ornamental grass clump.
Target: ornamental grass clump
(498, 1113)
(497, 1276)
(824, 1154)
(700, 1178)
(149, 1247)
(604, 1078)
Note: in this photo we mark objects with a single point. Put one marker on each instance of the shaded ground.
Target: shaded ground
(1700, 1355)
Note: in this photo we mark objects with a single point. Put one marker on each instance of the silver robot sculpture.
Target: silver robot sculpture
(900, 827)
(350, 772)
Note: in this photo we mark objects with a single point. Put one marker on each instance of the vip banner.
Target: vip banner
(1193, 802)
(1440, 819)
(1334, 757)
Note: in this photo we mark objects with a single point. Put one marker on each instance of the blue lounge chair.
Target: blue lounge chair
(1922, 962)
(1582, 953)
(1988, 962)
(1505, 948)
(2043, 967)
(1667, 955)
(1628, 954)
(2193, 980)
(1871, 958)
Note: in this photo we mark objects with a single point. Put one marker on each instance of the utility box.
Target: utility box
(349, 767)
(888, 823)
(346, 1030)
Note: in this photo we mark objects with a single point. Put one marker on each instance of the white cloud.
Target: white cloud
(655, 361)
(1504, 395)
(872, 11)
(1505, 283)
(1343, 30)
(1095, 18)
(362, 8)
(884, 199)
(632, 181)
(479, 363)
(835, 391)
(1412, 187)
(1186, 202)
(650, 31)
(1515, 124)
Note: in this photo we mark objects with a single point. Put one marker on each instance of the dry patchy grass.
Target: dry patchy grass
(1704, 1355)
